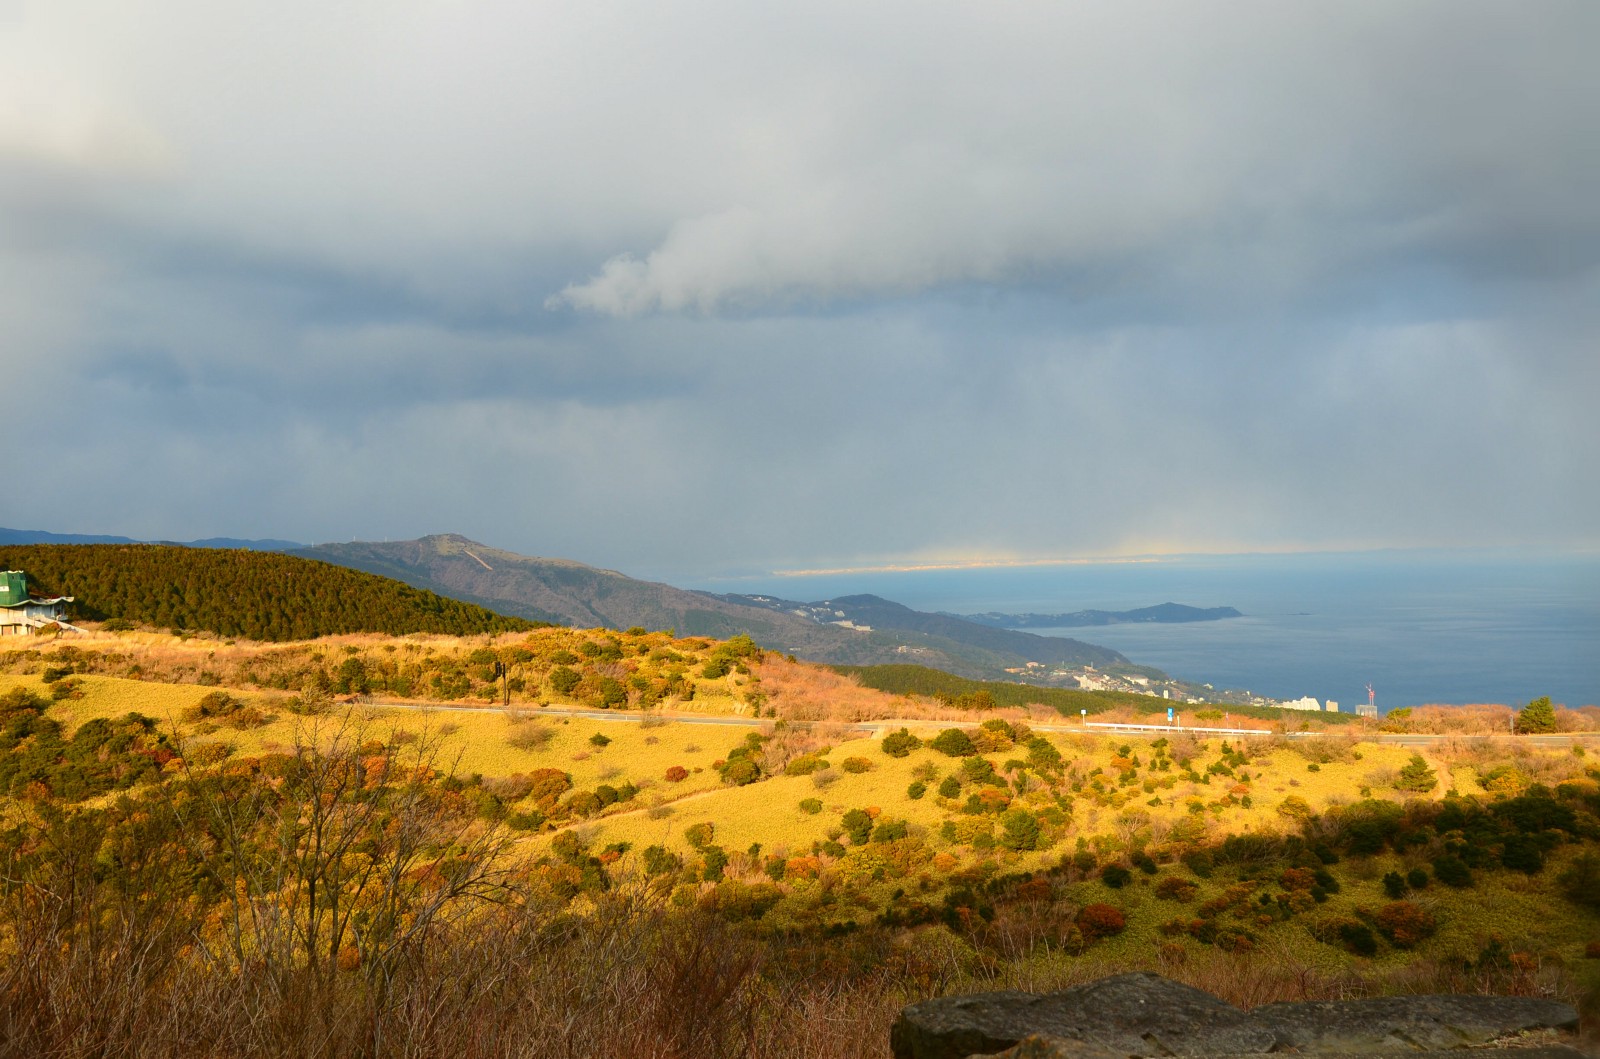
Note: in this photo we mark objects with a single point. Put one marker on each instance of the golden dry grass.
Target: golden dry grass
(479, 740)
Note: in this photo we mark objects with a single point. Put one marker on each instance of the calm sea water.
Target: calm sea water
(1421, 628)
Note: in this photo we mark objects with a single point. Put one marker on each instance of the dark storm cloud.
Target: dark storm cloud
(668, 287)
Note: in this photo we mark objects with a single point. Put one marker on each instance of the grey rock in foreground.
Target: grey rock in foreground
(1415, 1022)
(1056, 1048)
(1146, 1015)
(1127, 1014)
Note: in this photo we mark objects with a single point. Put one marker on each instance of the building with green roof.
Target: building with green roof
(21, 614)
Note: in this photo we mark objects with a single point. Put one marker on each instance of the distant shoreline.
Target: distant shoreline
(1162, 613)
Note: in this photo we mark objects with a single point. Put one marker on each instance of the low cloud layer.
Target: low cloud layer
(705, 286)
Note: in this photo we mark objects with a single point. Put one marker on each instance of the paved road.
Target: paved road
(881, 726)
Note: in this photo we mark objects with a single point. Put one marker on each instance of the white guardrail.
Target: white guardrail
(1117, 727)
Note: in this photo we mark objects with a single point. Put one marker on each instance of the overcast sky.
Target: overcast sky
(692, 287)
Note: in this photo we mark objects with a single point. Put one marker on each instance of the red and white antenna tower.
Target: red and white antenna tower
(1372, 698)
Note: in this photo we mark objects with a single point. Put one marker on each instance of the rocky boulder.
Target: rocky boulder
(1410, 1022)
(1146, 1015)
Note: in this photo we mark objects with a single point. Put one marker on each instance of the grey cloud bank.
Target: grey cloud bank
(674, 288)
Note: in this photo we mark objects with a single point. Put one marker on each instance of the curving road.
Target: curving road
(881, 726)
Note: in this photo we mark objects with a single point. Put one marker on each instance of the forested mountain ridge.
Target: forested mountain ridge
(252, 594)
(572, 593)
(546, 589)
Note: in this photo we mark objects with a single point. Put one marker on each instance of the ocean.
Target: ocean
(1419, 627)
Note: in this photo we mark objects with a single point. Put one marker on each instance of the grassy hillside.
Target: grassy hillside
(250, 594)
(201, 818)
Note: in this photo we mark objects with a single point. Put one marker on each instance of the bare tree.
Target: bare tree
(344, 852)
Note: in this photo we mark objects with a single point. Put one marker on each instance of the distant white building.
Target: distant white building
(1331, 706)
(1307, 703)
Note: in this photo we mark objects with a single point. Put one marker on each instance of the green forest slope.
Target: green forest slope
(255, 595)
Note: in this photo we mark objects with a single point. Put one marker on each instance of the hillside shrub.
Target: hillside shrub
(1019, 830)
(811, 806)
(658, 860)
(1505, 781)
(676, 774)
(950, 788)
(714, 861)
(700, 835)
(1115, 876)
(1537, 716)
(1405, 924)
(1358, 938)
(214, 704)
(1295, 808)
(546, 785)
(856, 765)
(1042, 755)
(564, 680)
(1416, 777)
(805, 765)
(916, 790)
(1098, 921)
(901, 743)
(889, 830)
(858, 825)
(1522, 853)
(987, 800)
(980, 770)
(1452, 871)
(1581, 879)
(1177, 888)
(530, 736)
(953, 742)
(610, 694)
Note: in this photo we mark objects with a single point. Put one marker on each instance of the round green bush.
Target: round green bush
(954, 742)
